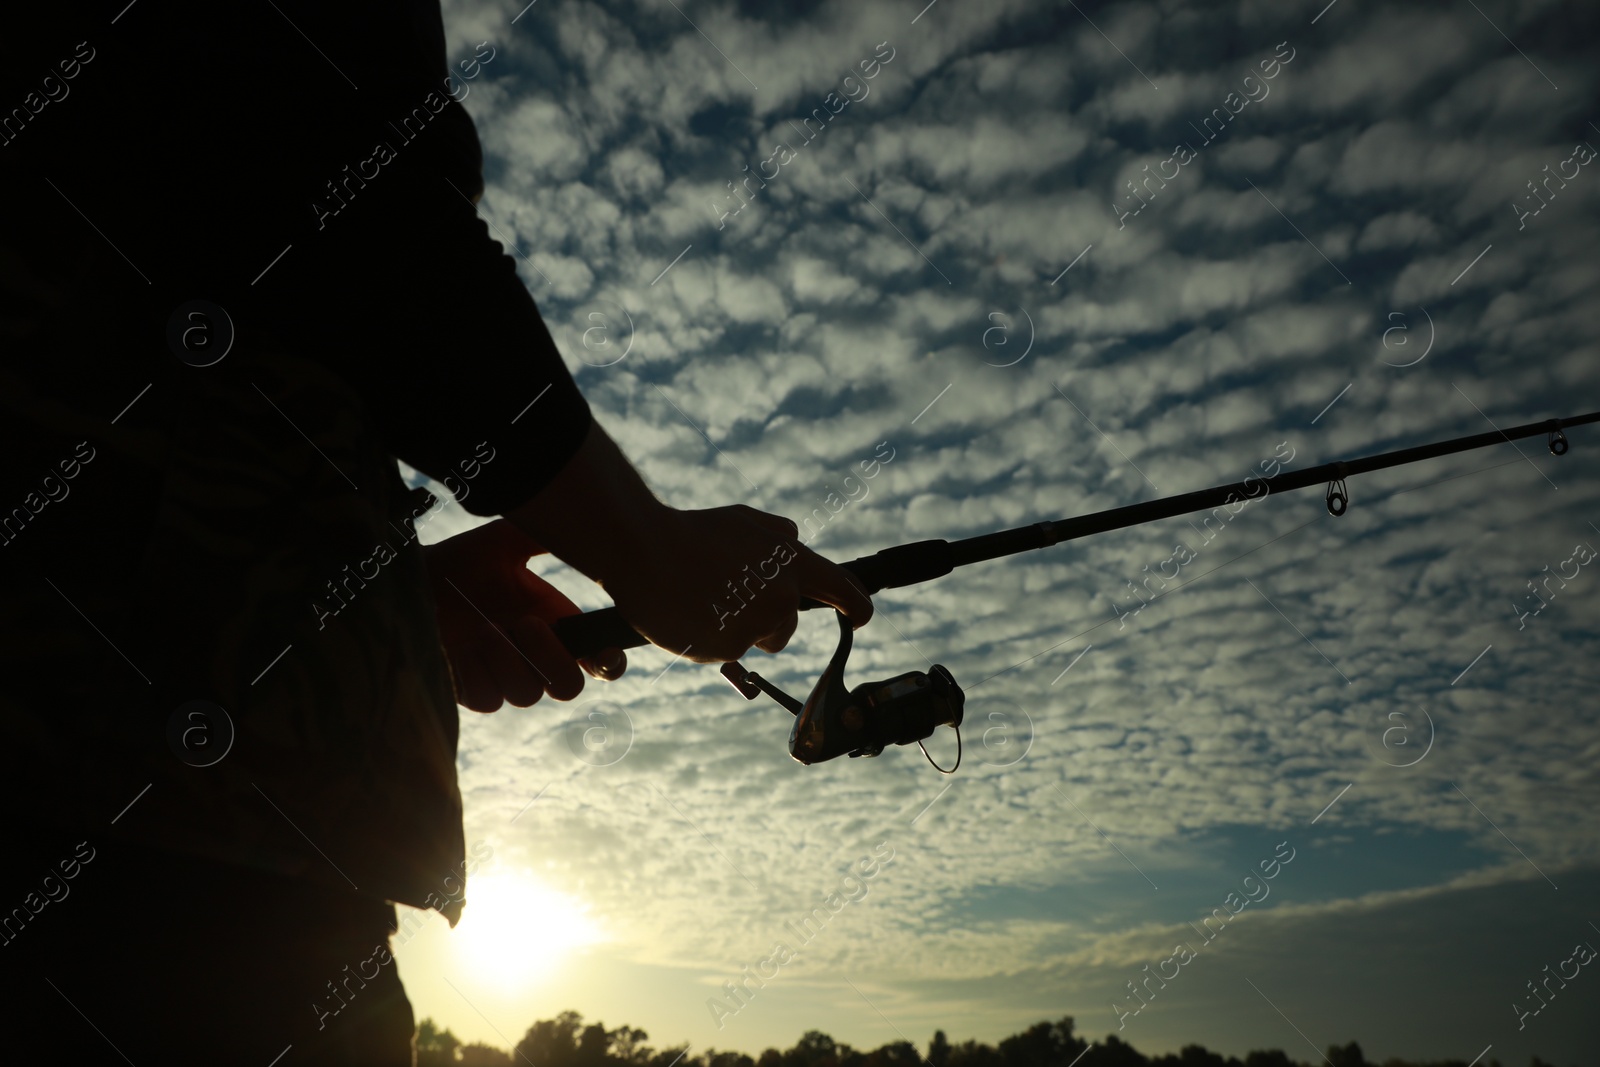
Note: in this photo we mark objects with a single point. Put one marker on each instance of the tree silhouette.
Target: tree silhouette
(972, 1054)
(480, 1055)
(551, 1042)
(566, 1041)
(1199, 1056)
(1275, 1058)
(894, 1054)
(814, 1049)
(435, 1048)
(1114, 1053)
(1043, 1045)
(1349, 1056)
(592, 1046)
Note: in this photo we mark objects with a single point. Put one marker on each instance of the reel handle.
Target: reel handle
(590, 632)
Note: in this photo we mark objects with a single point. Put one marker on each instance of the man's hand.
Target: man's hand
(494, 617)
(723, 579)
(705, 584)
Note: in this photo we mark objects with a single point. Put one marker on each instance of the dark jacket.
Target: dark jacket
(176, 527)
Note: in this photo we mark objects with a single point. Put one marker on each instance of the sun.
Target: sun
(515, 930)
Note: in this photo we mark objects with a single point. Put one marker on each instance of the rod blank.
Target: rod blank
(922, 561)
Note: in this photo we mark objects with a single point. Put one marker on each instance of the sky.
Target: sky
(1337, 247)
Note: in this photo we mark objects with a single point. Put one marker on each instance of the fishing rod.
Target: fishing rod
(908, 708)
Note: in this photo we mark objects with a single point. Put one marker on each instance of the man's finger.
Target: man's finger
(559, 671)
(531, 594)
(515, 677)
(608, 666)
(475, 686)
(819, 578)
(779, 638)
(824, 580)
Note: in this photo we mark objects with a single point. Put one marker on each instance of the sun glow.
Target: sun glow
(516, 931)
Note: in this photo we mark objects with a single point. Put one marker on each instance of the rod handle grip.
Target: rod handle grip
(591, 632)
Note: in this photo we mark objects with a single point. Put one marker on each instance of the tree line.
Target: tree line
(566, 1041)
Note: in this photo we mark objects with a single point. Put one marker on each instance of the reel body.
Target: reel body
(863, 721)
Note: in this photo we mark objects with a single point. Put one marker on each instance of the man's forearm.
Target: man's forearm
(597, 514)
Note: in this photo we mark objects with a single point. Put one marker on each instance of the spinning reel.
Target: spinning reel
(902, 710)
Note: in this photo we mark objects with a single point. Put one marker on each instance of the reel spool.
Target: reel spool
(863, 721)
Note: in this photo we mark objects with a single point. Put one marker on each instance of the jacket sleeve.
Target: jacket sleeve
(330, 222)
(451, 356)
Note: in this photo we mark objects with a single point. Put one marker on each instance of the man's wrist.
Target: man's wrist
(596, 514)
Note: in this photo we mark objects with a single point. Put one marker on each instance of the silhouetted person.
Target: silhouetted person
(182, 533)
